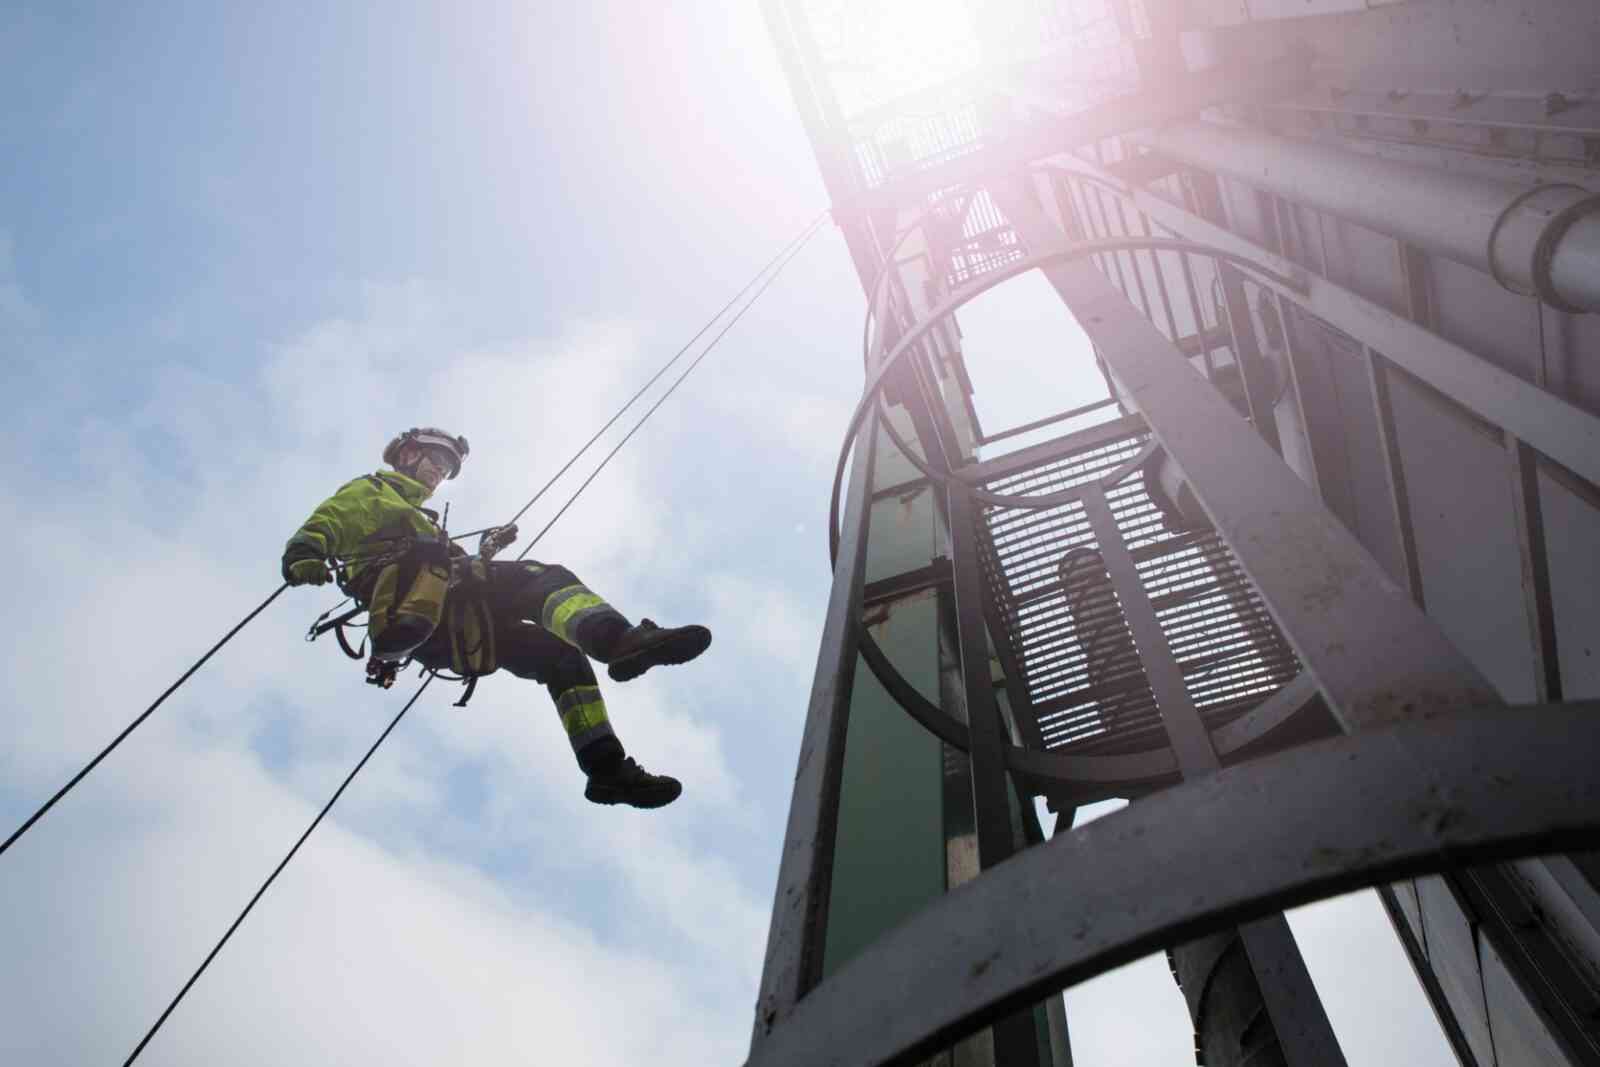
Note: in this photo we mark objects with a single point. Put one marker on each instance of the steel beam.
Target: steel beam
(1180, 96)
(1394, 472)
(1564, 432)
(987, 741)
(1400, 800)
(1528, 512)
(1375, 656)
(1026, 459)
(1304, 1033)
(1015, 1043)
(1185, 731)
(1253, 372)
(799, 912)
(1498, 397)
(1522, 111)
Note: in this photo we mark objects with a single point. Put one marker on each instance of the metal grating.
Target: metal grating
(905, 103)
(1080, 665)
(904, 144)
(986, 241)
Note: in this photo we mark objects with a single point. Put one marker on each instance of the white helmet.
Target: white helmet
(429, 437)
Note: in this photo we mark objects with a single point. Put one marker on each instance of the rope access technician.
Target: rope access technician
(428, 600)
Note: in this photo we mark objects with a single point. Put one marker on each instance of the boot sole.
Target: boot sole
(680, 646)
(657, 799)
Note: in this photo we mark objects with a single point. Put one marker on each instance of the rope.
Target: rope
(275, 872)
(134, 725)
(788, 251)
(766, 276)
(794, 249)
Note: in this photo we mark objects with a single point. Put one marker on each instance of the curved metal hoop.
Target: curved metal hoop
(964, 296)
(1147, 768)
(1155, 766)
(1347, 812)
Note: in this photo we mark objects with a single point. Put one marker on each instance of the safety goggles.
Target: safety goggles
(442, 459)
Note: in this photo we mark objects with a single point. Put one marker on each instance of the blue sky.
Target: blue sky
(240, 246)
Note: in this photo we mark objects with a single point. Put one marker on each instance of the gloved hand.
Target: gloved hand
(496, 538)
(305, 572)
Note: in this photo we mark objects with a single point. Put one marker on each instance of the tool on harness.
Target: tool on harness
(407, 599)
(337, 625)
(382, 673)
(469, 624)
(449, 592)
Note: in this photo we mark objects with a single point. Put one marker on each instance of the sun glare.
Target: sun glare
(885, 49)
(921, 41)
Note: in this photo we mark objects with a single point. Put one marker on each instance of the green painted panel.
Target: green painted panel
(888, 858)
(902, 533)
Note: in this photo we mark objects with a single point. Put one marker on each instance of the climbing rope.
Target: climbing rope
(134, 725)
(794, 250)
(337, 793)
(765, 276)
(775, 266)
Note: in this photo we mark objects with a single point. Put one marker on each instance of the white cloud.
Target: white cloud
(357, 955)
(775, 627)
(417, 926)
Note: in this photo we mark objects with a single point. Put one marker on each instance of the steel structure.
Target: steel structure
(1314, 586)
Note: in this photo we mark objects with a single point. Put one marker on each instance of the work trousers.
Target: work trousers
(546, 626)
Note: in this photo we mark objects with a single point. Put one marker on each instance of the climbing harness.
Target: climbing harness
(440, 590)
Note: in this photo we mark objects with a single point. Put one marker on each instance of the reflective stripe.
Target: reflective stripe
(582, 709)
(591, 735)
(565, 608)
(553, 602)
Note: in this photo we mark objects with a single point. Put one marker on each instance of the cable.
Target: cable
(804, 235)
(766, 276)
(773, 265)
(276, 871)
(776, 266)
(134, 725)
(795, 247)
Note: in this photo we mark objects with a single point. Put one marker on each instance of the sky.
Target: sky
(240, 247)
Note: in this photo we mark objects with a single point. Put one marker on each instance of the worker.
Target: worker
(428, 600)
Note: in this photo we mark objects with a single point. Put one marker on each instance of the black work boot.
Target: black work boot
(647, 645)
(629, 783)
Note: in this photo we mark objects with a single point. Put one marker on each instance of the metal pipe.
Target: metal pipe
(1541, 241)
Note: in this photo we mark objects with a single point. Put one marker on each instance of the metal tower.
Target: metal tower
(1315, 585)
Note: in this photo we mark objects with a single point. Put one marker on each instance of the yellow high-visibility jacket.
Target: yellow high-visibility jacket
(362, 513)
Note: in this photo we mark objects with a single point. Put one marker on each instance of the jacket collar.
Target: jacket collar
(412, 490)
